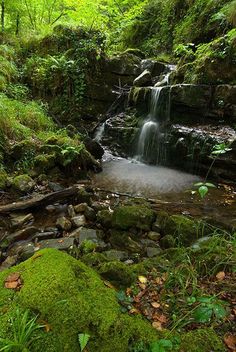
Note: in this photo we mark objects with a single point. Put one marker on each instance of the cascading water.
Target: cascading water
(151, 142)
(151, 139)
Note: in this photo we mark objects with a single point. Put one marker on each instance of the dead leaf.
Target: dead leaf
(13, 281)
(157, 325)
(230, 341)
(134, 311)
(155, 305)
(162, 318)
(142, 279)
(108, 284)
(220, 276)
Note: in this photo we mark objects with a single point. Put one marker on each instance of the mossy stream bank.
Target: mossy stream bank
(137, 277)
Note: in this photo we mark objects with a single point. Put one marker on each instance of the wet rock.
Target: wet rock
(63, 244)
(71, 211)
(154, 67)
(146, 242)
(97, 206)
(80, 208)
(125, 217)
(18, 220)
(90, 214)
(105, 218)
(63, 223)
(55, 187)
(143, 80)
(79, 220)
(83, 196)
(153, 252)
(87, 234)
(154, 236)
(114, 254)
(23, 249)
(44, 235)
(8, 262)
(94, 148)
(192, 96)
(123, 240)
(23, 234)
(23, 183)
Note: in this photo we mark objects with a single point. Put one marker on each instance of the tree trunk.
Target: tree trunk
(3, 15)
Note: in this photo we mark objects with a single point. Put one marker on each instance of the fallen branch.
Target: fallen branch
(40, 201)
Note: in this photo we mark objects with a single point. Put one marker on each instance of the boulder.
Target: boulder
(143, 80)
(23, 183)
(94, 148)
(126, 217)
(64, 223)
(79, 220)
(72, 299)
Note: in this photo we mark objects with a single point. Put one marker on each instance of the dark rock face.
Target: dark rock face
(94, 148)
(200, 117)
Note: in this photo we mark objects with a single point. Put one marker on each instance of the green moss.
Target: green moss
(201, 340)
(118, 273)
(182, 228)
(45, 161)
(3, 179)
(140, 217)
(23, 183)
(72, 299)
(220, 52)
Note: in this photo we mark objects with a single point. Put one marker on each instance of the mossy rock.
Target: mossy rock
(105, 218)
(45, 161)
(182, 228)
(23, 183)
(118, 273)
(3, 179)
(72, 299)
(123, 241)
(125, 217)
(201, 340)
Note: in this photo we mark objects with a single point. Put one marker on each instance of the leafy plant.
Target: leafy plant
(83, 341)
(125, 301)
(209, 308)
(203, 187)
(24, 329)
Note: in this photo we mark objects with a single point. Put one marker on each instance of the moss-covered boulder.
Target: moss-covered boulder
(140, 217)
(71, 298)
(183, 229)
(23, 183)
(201, 340)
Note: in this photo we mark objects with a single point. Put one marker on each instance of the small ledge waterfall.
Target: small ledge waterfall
(151, 142)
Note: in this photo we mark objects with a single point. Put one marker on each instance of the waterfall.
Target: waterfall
(151, 148)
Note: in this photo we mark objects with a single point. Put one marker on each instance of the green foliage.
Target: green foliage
(83, 341)
(23, 331)
(208, 309)
(203, 187)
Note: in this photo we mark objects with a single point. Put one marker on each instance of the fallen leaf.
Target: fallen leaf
(60, 241)
(47, 327)
(157, 325)
(220, 276)
(11, 285)
(142, 286)
(134, 311)
(155, 305)
(13, 277)
(108, 284)
(230, 341)
(13, 281)
(142, 279)
(162, 318)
